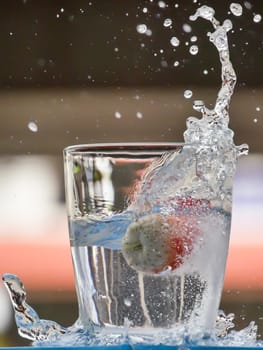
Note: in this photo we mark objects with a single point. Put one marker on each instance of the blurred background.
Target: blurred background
(106, 71)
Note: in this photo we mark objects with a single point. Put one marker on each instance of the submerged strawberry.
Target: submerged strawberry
(156, 243)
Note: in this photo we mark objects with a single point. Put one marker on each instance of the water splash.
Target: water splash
(44, 332)
(29, 325)
(211, 129)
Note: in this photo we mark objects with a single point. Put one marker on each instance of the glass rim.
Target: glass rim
(123, 147)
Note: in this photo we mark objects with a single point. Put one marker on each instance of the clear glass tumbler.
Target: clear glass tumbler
(149, 240)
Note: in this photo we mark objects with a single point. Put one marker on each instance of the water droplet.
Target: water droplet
(32, 126)
(205, 12)
(258, 109)
(139, 115)
(248, 5)
(176, 5)
(198, 105)
(118, 115)
(62, 10)
(257, 18)
(127, 302)
(41, 62)
(228, 25)
(255, 120)
(141, 28)
(167, 22)
(57, 15)
(11, 33)
(236, 9)
(175, 41)
(205, 71)
(187, 28)
(176, 63)
(193, 50)
(148, 32)
(161, 4)
(145, 10)
(193, 39)
(188, 93)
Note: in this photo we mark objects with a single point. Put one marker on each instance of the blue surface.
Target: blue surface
(135, 347)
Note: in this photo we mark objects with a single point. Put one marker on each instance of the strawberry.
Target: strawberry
(156, 243)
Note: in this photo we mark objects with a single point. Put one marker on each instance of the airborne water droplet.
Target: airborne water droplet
(248, 5)
(193, 50)
(187, 28)
(118, 115)
(32, 126)
(257, 18)
(141, 28)
(167, 22)
(161, 4)
(236, 9)
(175, 41)
(188, 93)
(148, 32)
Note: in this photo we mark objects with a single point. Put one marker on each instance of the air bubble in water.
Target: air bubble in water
(167, 22)
(193, 39)
(255, 120)
(257, 18)
(145, 10)
(187, 28)
(236, 9)
(205, 71)
(175, 41)
(139, 115)
(193, 50)
(176, 63)
(127, 302)
(118, 115)
(141, 28)
(258, 109)
(188, 93)
(32, 126)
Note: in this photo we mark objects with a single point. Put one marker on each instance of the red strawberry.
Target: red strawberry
(156, 243)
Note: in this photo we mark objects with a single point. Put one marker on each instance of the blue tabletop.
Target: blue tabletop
(135, 347)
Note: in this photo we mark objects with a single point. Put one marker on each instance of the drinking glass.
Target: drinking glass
(148, 242)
